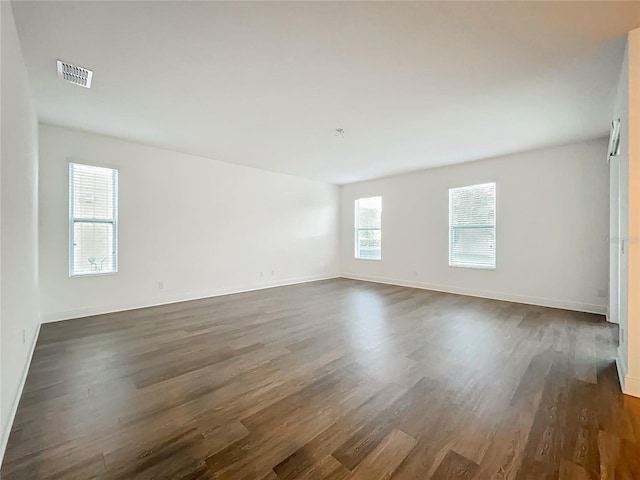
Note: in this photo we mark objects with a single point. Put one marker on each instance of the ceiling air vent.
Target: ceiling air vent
(74, 74)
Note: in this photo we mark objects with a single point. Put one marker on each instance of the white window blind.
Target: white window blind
(472, 226)
(368, 228)
(93, 220)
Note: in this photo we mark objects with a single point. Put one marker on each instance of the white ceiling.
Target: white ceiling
(414, 85)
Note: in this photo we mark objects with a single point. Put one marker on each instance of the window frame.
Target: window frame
(357, 229)
(494, 226)
(73, 220)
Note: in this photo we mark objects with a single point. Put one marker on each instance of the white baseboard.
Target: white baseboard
(622, 370)
(507, 297)
(632, 386)
(50, 317)
(16, 401)
(628, 384)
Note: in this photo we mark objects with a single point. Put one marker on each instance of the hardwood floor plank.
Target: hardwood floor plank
(434, 443)
(329, 439)
(295, 419)
(546, 442)
(454, 466)
(531, 384)
(326, 469)
(581, 436)
(270, 475)
(628, 465)
(571, 471)
(609, 450)
(503, 456)
(365, 440)
(385, 458)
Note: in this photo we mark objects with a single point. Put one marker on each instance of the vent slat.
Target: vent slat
(74, 74)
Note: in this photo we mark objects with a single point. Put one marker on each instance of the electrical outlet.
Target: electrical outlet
(24, 336)
(262, 274)
(621, 335)
(602, 293)
(273, 272)
(160, 285)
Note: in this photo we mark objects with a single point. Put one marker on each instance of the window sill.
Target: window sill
(368, 259)
(474, 267)
(84, 275)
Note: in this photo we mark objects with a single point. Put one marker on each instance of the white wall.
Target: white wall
(552, 225)
(19, 250)
(618, 230)
(199, 226)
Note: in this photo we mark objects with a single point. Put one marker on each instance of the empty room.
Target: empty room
(320, 240)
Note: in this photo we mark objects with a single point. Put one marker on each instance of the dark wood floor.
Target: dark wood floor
(328, 380)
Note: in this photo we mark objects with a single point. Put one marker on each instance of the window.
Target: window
(93, 220)
(368, 223)
(472, 226)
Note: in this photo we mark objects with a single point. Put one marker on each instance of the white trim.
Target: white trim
(608, 315)
(16, 400)
(632, 386)
(622, 369)
(184, 297)
(506, 297)
(472, 265)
